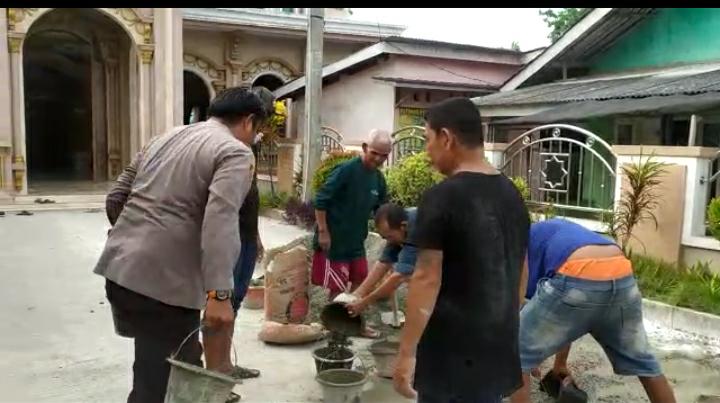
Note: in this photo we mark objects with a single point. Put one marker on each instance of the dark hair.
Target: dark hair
(460, 116)
(267, 98)
(236, 103)
(392, 213)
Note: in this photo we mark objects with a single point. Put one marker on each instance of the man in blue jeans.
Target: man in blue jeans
(581, 282)
(397, 226)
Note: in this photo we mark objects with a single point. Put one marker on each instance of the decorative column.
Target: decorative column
(145, 98)
(233, 60)
(17, 91)
(218, 86)
(6, 183)
(168, 68)
(112, 112)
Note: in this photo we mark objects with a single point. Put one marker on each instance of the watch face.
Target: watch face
(222, 295)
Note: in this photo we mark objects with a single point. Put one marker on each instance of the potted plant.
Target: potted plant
(255, 296)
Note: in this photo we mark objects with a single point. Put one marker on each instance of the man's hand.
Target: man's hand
(404, 375)
(356, 308)
(218, 313)
(260, 249)
(324, 240)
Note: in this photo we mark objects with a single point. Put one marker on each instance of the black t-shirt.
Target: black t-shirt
(470, 346)
(250, 208)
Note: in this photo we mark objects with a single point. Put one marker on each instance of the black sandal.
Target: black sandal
(239, 372)
(551, 384)
(233, 398)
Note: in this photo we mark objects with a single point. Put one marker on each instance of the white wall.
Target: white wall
(353, 106)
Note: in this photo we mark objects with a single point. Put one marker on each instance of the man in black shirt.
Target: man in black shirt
(461, 333)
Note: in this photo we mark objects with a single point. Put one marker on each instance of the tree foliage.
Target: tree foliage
(560, 21)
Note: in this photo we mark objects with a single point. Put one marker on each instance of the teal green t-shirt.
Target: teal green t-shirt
(350, 194)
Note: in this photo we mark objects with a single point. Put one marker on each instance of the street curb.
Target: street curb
(273, 213)
(682, 319)
(39, 208)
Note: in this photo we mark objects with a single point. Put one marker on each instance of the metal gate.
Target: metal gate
(407, 141)
(565, 166)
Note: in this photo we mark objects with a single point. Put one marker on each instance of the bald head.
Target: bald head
(380, 140)
(376, 148)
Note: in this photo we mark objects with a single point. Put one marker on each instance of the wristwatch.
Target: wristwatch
(220, 295)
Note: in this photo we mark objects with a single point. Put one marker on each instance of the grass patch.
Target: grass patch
(695, 287)
(269, 200)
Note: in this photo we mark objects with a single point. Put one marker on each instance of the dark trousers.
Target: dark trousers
(158, 330)
(243, 271)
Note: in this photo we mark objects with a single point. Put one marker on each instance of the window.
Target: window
(288, 10)
(624, 134)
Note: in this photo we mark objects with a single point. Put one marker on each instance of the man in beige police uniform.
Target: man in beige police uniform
(175, 239)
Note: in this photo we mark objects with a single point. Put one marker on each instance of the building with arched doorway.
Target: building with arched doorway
(82, 90)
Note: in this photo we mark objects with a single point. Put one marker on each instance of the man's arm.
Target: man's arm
(387, 288)
(523, 286)
(422, 295)
(220, 237)
(324, 198)
(377, 273)
(118, 195)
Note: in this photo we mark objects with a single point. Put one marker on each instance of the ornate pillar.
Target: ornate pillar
(145, 96)
(233, 61)
(6, 183)
(218, 86)
(113, 113)
(17, 91)
(168, 68)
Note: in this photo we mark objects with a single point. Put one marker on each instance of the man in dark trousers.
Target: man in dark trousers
(251, 248)
(460, 340)
(175, 239)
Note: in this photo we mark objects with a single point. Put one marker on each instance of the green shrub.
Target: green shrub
(327, 165)
(409, 178)
(695, 287)
(522, 187)
(269, 200)
(713, 217)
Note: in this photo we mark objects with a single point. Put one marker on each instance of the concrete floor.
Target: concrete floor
(58, 343)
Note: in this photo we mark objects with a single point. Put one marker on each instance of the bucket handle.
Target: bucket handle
(175, 354)
(365, 369)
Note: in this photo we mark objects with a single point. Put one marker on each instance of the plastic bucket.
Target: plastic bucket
(341, 385)
(192, 384)
(327, 358)
(384, 352)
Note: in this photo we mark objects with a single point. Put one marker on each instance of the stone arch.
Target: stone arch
(268, 65)
(20, 20)
(210, 73)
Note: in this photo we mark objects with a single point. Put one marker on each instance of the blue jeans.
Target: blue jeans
(243, 272)
(567, 308)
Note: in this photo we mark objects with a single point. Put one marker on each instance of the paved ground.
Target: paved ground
(58, 343)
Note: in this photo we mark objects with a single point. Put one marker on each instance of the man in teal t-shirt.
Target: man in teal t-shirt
(343, 206)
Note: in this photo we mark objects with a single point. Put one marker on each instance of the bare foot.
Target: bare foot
(369, 333)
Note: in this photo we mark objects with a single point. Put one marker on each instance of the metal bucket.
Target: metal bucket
(341, 385)
(327, 358)
(189, 383)
(192, 384)
(384, 352)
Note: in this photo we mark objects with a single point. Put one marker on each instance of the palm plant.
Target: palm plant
(638, 201)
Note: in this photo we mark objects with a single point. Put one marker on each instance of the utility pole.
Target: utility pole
(313, 92)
